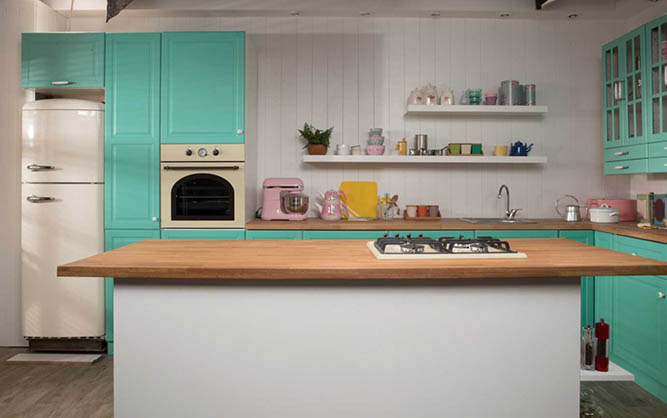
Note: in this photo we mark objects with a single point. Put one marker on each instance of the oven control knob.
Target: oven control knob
(202, 152)
(216, 151)
(188, 152)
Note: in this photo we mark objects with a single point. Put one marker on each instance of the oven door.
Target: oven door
(202, 195)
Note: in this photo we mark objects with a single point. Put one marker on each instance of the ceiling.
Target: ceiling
(560, 9)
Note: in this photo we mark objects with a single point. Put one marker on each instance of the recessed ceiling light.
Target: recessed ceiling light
(573, 16)
(505, 14)
(295, 13)
(435, 14)
(365, 14)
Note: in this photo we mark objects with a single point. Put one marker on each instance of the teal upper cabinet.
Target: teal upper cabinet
(132, 130)
(57, 60)
(656, 64)
(611, 103)
(203, 87)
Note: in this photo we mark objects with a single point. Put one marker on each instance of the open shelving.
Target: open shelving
(475, 110)
(437, 159)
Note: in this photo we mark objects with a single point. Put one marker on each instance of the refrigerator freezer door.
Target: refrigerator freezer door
(63, 146)
(61, 223)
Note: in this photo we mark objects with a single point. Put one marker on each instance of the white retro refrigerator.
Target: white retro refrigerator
(62, 217)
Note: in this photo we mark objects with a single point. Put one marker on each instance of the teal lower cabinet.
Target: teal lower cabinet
(639, 319)
(587, 283)
(516, 233)
(343, 235)
(222, 234)
(273, 234)
(436, 233)
(116, 238)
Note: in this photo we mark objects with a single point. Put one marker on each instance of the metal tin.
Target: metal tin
(421, 143)
(529, 94)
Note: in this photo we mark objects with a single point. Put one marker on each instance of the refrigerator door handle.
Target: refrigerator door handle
(39, 167)
(38, 199)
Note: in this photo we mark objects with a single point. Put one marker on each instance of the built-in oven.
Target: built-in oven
(202, 186)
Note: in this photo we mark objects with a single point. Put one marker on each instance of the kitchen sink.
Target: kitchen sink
(496, 221)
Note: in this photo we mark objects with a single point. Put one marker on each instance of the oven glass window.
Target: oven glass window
(202, 197)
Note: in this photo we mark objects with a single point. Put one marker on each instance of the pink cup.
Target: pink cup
(490, 99)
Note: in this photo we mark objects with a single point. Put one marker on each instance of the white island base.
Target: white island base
(459, 348)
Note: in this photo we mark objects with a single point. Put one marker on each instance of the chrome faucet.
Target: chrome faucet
(509, 213)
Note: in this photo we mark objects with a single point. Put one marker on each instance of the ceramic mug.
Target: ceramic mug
(411, 210)
(422, 211)
(433, 211)
(466, 149)
(500, 150)
(454, 149)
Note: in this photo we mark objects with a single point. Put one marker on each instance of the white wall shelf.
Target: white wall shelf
(615, 373)
(475, 110)
(439, 159)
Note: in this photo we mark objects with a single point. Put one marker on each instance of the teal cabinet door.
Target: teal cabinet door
(587, 283)
(132, 130)
(62, 60)
(115, 239)
(222, 234)
(612, 123)
(656, 80)
(633, 88)
(203, 87)
(343, 235)
(435, 233)
(273, 235)
(516, 233)
(640, 335)
(604, 287)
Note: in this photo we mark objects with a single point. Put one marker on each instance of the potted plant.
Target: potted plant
(317, 141)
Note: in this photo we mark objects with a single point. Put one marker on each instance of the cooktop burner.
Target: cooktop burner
(444, 247)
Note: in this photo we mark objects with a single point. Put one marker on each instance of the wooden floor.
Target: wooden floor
(86, 391)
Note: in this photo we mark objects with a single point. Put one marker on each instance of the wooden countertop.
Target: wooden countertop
(347, 260)
(629, 229)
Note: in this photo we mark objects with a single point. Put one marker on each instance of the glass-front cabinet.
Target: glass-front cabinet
(611, 101)
(657, 80)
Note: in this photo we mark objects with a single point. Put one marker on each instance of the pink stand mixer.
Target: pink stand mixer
(332, 209)
(284, 200)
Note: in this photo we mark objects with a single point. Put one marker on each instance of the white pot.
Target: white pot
(604, 215)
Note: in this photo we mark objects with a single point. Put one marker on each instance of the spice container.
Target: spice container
(403, 147)
(529, 94)
(602, 346)
(587, 349)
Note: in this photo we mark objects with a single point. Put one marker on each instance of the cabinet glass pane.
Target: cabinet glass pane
(614, 63)
(608, 63)
(638, 110)
(630, 85)
(656, 81)
(664, 113)
(609, 130)
(638, 85)
(663, 42)
(654, 46)
(608, 95)
(617, 121)
(656, 115)
(631, 123)
(628, 55)
(637, 51)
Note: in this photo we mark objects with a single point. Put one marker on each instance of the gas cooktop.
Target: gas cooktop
(420, 247)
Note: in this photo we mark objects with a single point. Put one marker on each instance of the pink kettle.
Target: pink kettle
(332, 208)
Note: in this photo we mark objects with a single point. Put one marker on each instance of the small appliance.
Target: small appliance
(284, 200)
(627, 207)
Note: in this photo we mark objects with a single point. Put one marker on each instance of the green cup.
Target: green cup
(454, 149)
(476, 149)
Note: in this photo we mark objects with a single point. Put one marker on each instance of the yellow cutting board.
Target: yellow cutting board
(362, 198)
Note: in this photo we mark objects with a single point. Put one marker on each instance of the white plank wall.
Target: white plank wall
(356, 73)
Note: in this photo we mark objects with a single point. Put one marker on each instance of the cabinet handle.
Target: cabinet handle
(665, 164)
(661, 295)
(622, 167)
(154, 219)
(61, 83)
(39, 167)
(634, 254)
(622, 153)
(240, 131)
(38, 199)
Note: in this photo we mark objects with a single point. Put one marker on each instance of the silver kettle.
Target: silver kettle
(572, 212)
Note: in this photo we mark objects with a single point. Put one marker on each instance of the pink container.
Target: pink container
(375, 149)
(490, 99)
(628, 207)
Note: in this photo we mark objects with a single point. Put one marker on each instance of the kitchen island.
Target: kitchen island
(323, 329)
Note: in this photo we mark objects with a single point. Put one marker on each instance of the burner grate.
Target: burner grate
(444, 245)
